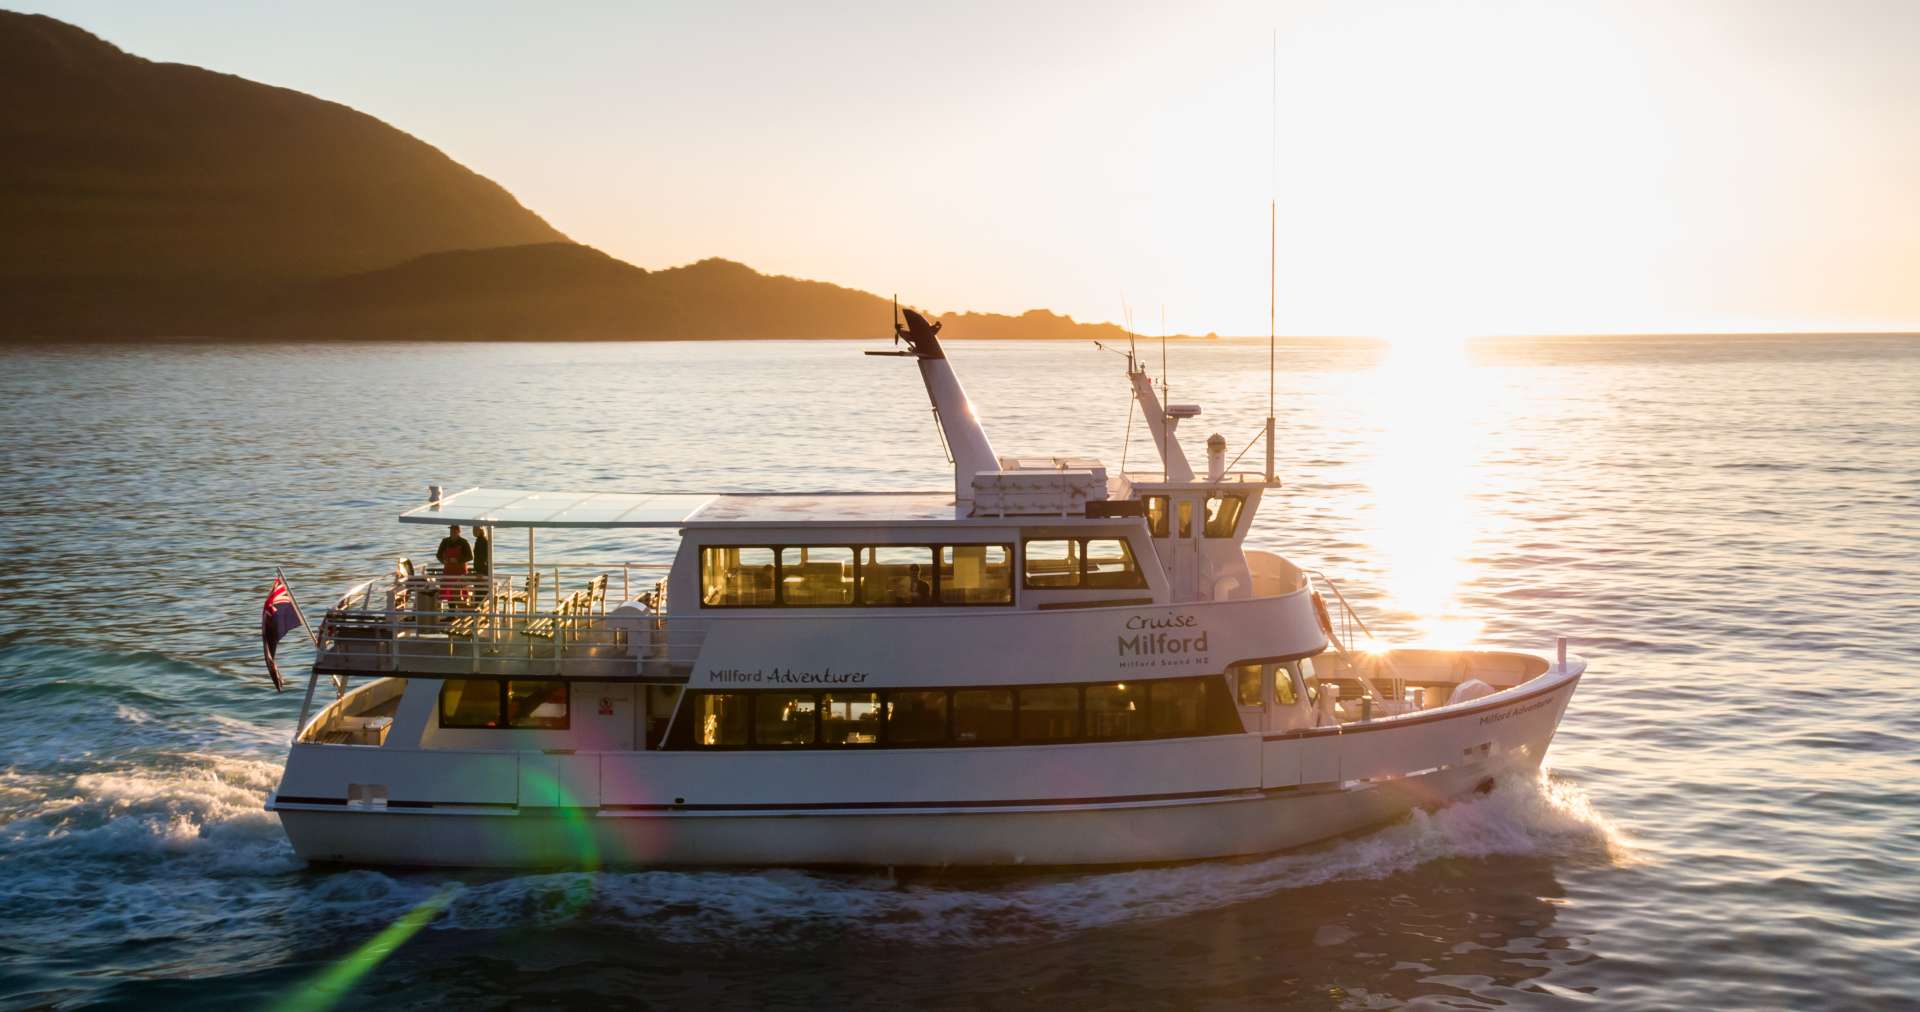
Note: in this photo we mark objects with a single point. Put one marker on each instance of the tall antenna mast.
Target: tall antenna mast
(1273, 234)
(1166, 395)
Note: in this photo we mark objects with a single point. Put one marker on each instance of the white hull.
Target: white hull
(1383, 770)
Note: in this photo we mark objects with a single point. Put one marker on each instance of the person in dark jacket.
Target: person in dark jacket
(454, 555)
(482, 562)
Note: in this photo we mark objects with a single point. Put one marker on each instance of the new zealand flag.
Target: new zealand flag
(277, 618)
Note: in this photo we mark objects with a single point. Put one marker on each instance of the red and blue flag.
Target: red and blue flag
(277, 618)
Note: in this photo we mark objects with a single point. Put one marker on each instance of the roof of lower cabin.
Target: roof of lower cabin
(494, 507)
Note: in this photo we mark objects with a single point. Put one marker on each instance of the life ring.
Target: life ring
(1320, 612)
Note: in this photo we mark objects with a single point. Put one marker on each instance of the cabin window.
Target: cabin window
(537, 704)
(1049, 713)
(1282, 685)
(814, 576)
(896, 575)
(784, 718)
(850, 718)
(722, 718)
(982, 715)
(1246, 678)
(1053, 563)
(1180, 706)
(470, 702)
(976, 574)
(1157, 515)
(1223, 514)
(736, 577)
(1110, 564)
(1117, 710)
(917, 717)
(1186, 518)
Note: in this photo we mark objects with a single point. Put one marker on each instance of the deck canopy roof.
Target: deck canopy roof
(504, 507)
(495, 507)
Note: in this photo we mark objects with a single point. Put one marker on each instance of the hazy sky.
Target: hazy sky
(1442, 168)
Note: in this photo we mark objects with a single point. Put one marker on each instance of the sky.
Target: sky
(1436, 169)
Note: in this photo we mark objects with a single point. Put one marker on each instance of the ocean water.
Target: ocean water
(1728, 529)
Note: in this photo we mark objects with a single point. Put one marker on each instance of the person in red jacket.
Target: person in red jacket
(454, 555)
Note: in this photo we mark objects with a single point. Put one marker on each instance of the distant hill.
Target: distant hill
(153, 195)
(157, 200)
(564, 291)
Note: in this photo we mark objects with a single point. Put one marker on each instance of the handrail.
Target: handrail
(1351, 618)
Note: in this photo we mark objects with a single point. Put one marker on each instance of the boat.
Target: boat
(1046, 665)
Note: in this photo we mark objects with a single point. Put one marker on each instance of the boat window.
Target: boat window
(736, 577)
(1180, 705)
(1053, 563)
(982, 715)
(1110, 564)
(722, 718)
(917, 717)
(816, 575)
(784, 718)
(1049, 713)
(1118, 710)
(1157, 515)
(896, 575)
(1223, 514)
(537, 704)
(1282, 685)
(1247, 678)
(850, 718)
(470, 702)
(976, 574)
(1186, 518)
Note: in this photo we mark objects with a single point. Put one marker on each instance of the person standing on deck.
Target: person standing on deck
(482, 563)
(454, 556)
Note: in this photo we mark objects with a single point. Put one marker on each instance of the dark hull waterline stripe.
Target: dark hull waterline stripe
(1394, 723)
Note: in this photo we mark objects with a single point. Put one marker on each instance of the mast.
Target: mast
(1273, 238)
(966, 440)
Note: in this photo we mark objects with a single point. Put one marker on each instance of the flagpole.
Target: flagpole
(301, 615)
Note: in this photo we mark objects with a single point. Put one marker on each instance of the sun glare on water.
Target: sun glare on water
(1426, 405)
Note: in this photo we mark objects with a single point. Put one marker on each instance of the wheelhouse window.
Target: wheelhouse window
(917, 717)
(470, 702)
(1223, 515)
(1049, 713)
(1157, 515)
(1053, 563)
(785, 718)
(815, 576)
(737, 577)
(850, 718)
(976, 574)
(1118, 710)
(894, 575)
(1247, 683)
(540, 704)
(981, 716)
(1186, 518)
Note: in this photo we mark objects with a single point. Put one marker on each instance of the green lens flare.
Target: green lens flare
(333, 983)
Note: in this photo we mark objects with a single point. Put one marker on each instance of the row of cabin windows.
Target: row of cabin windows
(822, 576)
(826, 576)
(504, 702)
(1005, 715)
(1223, 516)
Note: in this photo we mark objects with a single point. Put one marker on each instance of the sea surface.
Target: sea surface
(1728, 529)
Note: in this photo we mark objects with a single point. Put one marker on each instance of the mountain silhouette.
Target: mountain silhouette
(159, 200)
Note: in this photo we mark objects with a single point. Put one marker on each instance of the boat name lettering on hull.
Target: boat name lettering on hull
(784, 676)
(1155, 640)
(1495, 718)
